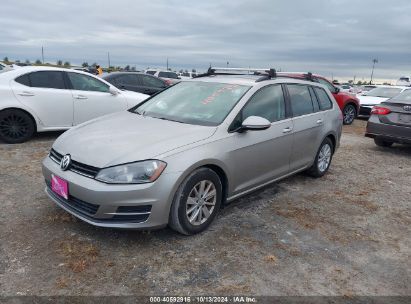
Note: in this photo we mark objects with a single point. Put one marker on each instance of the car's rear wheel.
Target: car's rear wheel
(16, 126)
(323, 159)
(382, 143)
(196, 202)
(349, 114)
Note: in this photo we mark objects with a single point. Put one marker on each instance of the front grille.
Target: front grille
(132, 218)
(134, 209)
(78, 205)
(82, 169)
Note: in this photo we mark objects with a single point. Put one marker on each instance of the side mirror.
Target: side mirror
(113, 91)
(255, 123)
(337, 90)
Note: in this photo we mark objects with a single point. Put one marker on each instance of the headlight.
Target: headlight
(135, 173)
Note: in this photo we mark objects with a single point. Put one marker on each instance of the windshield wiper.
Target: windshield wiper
(163, 118)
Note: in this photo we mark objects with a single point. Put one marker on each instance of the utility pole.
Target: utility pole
(227, 64)
(374, 61)
(108, 57)
(42, 54)
(167, 63)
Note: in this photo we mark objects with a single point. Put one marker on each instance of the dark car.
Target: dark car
(137, 82)
(390, 122)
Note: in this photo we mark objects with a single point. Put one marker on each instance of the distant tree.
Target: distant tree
(38, 61)
(59, 62)
(193, 70)
(66, 64)
(27, 61)
(6, 59)
(84, 64)
(350, 81)
(359, 82)
(127, 67)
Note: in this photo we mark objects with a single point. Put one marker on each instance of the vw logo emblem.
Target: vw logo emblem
(65, 162)
(407, 108)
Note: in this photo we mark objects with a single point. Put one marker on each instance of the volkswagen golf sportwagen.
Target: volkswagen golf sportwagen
(177, 157)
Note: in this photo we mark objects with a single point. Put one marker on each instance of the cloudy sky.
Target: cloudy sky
(336, 38)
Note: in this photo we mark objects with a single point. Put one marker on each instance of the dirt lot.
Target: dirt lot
(345, 234)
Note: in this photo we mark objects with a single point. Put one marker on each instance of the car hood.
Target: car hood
(127, 137)
(370, 100)
(133, 98)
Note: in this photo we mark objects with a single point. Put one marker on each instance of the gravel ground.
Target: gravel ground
(347, 233)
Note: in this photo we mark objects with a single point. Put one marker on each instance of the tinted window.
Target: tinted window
(49, 79)
(24, 79)
(168, 75)
(87, 83)
(268, 103)
(152, 82)
(300, 98)
(327, 84)
(127, 79)
(150, 72)
(323, 99)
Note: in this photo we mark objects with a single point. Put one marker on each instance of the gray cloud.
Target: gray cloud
(331, 37)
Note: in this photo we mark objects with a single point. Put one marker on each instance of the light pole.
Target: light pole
(374, 61)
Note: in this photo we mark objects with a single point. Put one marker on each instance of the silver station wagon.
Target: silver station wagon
(180, 155)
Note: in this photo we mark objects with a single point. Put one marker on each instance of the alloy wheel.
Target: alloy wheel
(201, 202)
(324, 157)
(349, 114)
(14, 126)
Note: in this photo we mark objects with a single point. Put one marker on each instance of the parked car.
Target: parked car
(390, 122)
(174, 159)
(404, 81)
(345, 88)
(137, 82)
(376, 96)
(168, 76)
(187, 75)
(365, 88)
(37, 99)
(5, 67)
(348, 103)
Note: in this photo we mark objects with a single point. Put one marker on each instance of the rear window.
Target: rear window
(150, 72)
(323, 100)
(168, 75)
(43, 79)
(24, 80)
(384, 92)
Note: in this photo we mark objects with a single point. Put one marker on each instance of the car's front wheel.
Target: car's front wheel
(349, 114)
(196, 202)
(16, 126)
(323, 159)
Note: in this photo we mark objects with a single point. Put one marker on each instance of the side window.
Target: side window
(23, 79)
(127, 79)
(323, 99)
(47, 79)
(300, 98)
(268, 103)
(87, 83)
(152, 82)
(327, 84)
(314, 99)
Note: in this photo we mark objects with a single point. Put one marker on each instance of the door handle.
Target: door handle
(287, 130)
(26, 93)
(319, 121)
(80, 97)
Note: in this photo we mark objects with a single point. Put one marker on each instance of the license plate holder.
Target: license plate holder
(59, 186)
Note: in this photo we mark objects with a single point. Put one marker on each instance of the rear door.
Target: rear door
(47, 94)
(308, 123)
(92, 98)
(130, 82)
(260, 156)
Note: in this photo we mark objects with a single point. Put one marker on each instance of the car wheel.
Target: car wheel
(382, 143)
(322, 159)
(196, 202)
(16, 126)
(349, 114)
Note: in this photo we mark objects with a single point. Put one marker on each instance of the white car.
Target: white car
(5, 67)
(38, 99)
(168, 76)
(376, 96)
(404, 81)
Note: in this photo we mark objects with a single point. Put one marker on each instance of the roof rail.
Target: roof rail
(266, 73)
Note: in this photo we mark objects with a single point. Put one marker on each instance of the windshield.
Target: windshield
(200, 103)
(384, 92)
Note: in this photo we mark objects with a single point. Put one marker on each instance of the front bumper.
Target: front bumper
(143, 206)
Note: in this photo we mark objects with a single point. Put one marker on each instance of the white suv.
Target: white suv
(168, 76)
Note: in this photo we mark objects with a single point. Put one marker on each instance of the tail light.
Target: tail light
(168, 82)
(380, 110)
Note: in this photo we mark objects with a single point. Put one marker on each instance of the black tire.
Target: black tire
(316, 170)
(382, 143)
(349, 114)
(178, 219)
(16, 126)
